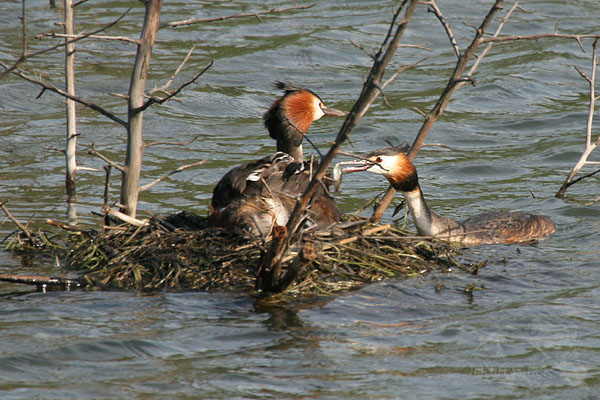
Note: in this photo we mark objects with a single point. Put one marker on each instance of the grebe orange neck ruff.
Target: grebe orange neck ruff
(289, 117)
(487, 228)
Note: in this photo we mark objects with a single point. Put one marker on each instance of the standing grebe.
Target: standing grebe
(263, 193)
(486, 228)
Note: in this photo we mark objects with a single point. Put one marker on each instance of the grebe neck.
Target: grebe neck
(429, 223)
(293, 150)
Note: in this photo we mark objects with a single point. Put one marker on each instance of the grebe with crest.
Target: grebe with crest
(486, 228)
(260, 194)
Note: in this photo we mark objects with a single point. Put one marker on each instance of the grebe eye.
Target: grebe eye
(378, 160)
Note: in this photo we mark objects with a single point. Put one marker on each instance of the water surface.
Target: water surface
(530, 330)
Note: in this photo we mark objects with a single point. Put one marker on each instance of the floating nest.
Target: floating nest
(180, 252)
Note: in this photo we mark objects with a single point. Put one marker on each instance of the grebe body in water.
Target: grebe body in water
(263, 193)
(486, 228)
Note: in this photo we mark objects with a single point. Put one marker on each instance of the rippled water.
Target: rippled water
(529, 331)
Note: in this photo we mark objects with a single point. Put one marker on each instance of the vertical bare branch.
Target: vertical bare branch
(371, 89)
(589, 145)
(455, 82)
(135, 144)
(24, 44)
(71, 143)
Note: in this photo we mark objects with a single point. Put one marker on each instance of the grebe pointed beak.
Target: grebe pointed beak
(333, 112)
(355, 166)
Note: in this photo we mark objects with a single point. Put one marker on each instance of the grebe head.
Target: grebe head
(290, 116)
(392, 163)
(299, 106)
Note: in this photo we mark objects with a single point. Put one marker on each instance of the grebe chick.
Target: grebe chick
(486, 228)
(262, 193)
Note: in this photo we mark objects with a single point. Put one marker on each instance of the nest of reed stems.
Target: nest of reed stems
(180, 252)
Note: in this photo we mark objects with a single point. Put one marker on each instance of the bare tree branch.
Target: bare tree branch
(360, 46)
(16, 222)
(156, 100)
(24, 43)
(125, 218)
(163, 177)
(130, 181)
(172, 143)
(577, 38)
(107, 160)
(454, 83)
(433, 7)
(80, 2)
(71, 112)
(100, 37)
(166, 86)
(589, 145)
(487, 49)
(583, 74)
(37, 53)
(174, 24)
(52, 88)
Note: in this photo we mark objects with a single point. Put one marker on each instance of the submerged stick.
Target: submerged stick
(43, 280)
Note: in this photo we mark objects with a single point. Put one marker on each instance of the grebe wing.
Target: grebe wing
(237, 180)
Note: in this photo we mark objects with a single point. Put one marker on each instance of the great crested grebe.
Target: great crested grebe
(486, 228)
(263, 193)
(289, 117)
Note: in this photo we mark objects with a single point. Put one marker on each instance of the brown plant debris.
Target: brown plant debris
(180, 252)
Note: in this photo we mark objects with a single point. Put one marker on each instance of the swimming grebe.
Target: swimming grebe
(486, 228)
(262, 193)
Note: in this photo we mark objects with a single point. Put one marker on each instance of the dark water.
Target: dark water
(529, 331)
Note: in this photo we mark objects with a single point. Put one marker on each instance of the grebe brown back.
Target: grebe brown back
(486, 228)
(262, 193)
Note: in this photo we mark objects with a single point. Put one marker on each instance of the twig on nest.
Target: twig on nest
(17, 223)
(124, 217)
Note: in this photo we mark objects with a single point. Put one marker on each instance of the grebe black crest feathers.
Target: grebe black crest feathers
(486, 228)
(289, 117)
